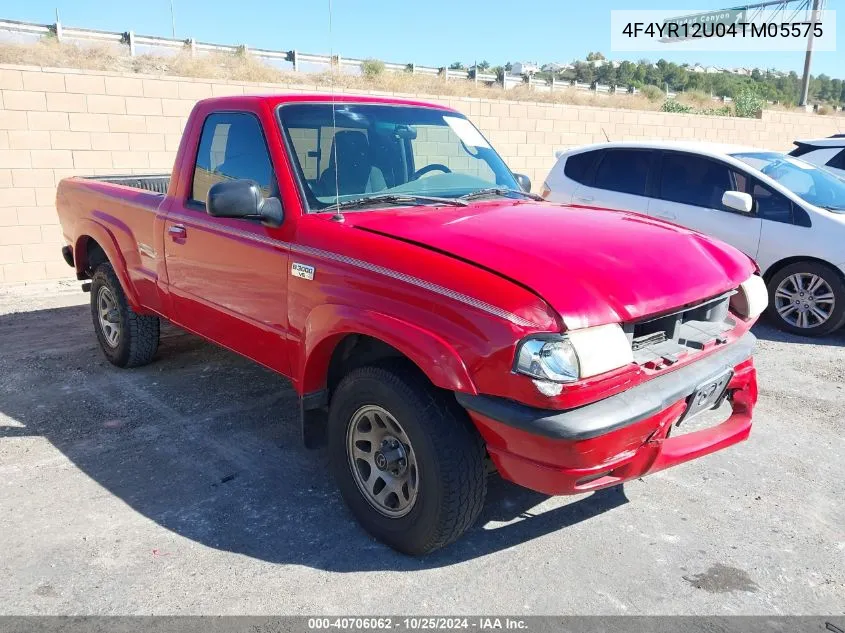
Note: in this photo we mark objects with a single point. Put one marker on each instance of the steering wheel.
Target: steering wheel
(434, 166)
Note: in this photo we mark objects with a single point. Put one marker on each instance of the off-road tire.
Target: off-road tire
(139, 334)
(837, 318)
(449, 451)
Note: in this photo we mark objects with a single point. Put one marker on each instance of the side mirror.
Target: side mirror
(738, 201)
(243, 199)
(523, 181)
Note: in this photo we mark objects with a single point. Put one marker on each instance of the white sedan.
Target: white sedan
(785, 213)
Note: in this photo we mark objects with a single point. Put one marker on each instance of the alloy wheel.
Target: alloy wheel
(804, 300)
(109, 316)
(382, 461)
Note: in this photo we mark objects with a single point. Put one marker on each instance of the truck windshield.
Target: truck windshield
(817, 186)
(364, 150)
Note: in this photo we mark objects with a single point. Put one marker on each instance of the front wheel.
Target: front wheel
(807, 298)
(128, 339)
(408, 462)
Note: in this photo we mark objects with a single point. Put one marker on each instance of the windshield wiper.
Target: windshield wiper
(393, 198)
(499, 191)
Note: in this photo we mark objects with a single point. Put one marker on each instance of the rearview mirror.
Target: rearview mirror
(243, 199)
(523, 181)
(738, 201)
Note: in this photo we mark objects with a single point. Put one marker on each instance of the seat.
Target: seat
(246, 156)
(350, 168)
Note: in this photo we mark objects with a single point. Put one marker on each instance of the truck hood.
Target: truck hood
(593, 266)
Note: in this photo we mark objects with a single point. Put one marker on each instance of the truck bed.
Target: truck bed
(157, 183)
(120, 215)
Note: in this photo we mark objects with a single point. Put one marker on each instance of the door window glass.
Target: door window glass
(579, 167)
(838, 161)
(624, 170)
(695, 180)
(231, 147)
(770, 205)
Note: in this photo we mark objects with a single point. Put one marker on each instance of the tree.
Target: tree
(654, 76)
(625, 74)
(675, 76)
(456, 66)
(483, 65)
(594, 57)
(639, 74)
(584, 73)
(606, 74)
(823, 87)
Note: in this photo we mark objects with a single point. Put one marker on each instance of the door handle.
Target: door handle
(584, 198)
(177, 231)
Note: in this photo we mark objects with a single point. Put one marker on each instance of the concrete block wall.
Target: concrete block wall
(56, 123)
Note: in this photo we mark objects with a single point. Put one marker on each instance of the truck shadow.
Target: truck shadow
(206, 444)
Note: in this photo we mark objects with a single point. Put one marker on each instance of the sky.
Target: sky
(429, 33)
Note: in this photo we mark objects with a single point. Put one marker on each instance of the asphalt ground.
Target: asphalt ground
(182, 488)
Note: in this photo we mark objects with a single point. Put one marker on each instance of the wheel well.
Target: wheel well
(349, 353)
(778, 266)
(357, 350)
(93, 257)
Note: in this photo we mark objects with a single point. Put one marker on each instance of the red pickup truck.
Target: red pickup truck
(436, 320)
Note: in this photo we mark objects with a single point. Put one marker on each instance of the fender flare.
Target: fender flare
(328, 324)
(89, 229)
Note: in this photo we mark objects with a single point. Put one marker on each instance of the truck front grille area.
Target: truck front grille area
(663, 341)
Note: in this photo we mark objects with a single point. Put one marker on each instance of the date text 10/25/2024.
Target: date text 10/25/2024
(418, 623)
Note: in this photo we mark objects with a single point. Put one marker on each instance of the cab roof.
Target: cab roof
(280, 98)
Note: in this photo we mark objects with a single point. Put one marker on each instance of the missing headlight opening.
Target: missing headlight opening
(663, 340)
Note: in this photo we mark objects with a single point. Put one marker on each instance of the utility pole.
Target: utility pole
(172, 20)
(805, 82)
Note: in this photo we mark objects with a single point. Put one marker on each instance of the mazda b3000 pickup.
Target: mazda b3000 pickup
(437, 321)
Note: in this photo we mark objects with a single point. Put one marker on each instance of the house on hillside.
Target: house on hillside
(524, 68)
(556, 67)
(710, 70)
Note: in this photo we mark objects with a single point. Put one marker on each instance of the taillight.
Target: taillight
(545, 191)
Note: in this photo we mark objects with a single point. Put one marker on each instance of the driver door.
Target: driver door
(227, 276)
(689, 192)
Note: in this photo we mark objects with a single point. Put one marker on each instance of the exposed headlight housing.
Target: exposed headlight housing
(751, 299)
(553, 360)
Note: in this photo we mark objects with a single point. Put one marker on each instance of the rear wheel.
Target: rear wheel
(408, 462)
(127, 339)
(807, 298)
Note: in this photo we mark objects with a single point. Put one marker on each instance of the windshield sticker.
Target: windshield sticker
(466, 132)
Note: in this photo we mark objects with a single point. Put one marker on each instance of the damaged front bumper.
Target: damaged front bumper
(622, 437)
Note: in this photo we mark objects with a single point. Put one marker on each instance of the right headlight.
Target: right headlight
(751, 299)
(553, 360)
